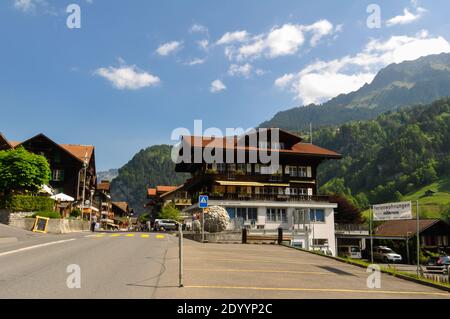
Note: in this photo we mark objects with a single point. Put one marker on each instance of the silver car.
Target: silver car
(166, 224)
(386, 255)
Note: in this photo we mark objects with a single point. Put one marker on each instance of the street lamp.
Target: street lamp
(85, 164)
(91, 203)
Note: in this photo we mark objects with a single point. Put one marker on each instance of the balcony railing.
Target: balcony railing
(268, 197)
(351, 228)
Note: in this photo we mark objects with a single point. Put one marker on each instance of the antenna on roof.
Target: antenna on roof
(310, 132)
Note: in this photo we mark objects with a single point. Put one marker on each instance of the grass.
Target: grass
(389, 270)
(430, 206)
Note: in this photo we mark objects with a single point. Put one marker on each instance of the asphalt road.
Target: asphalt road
(145, 265)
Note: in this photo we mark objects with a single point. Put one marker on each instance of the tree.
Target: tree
(346, 212)
(169, 211)
(22, 171)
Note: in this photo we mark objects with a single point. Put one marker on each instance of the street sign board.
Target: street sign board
(203, 201)
(392, 211)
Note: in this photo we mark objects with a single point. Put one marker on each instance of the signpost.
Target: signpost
(395, 211)
(180, 250)
(203, 204)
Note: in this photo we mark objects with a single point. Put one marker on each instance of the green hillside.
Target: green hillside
(412, 82)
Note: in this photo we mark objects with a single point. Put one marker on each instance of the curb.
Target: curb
(401, 276)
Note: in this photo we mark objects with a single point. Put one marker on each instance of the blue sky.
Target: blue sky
(136, 70)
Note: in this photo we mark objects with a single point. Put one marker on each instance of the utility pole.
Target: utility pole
(418, 238)
(84, 183)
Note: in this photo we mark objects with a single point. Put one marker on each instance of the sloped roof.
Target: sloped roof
(165, 189)
(171, 191)
(79, 151)
(403, 228)
(104, 186)
(151, 192)
(231, 143)
(122, 205)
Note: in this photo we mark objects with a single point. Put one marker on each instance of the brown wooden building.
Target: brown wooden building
(67, 163)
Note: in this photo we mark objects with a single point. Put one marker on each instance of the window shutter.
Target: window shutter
(308, 171)
(310, 191)
(286, 169)
(214, 166)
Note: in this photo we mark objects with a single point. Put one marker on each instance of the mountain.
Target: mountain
(108, 175)
(148, 168)
(394, 155)
(413, 82)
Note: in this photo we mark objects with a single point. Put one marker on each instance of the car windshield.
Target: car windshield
(387, 251)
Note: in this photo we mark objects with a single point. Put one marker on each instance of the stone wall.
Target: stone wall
(55, 226)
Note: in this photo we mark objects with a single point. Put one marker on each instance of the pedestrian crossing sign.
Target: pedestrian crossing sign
(203, 201)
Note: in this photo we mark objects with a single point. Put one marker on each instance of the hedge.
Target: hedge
(52, 215)
(27, 203)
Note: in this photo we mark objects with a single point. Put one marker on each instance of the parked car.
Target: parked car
(350, 252)
(166, 224)
(385, 254)
(439, 265)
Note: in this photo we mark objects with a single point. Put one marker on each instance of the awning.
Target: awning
(62, 198)
(256, 184)
(303, 182)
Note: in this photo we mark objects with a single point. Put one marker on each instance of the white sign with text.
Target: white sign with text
(392, 211)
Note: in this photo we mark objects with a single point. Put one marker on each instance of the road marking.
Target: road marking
(99, 236)
(145, 236)
(114, 235)
(35, 246)
(374, 291)
(262, 270)
(160, 236)
(129, 235)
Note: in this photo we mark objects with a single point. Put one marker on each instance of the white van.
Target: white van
(350, 251)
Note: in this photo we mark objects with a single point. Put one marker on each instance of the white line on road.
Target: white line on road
(35, 246)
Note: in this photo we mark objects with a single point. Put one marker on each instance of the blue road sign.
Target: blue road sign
(203, 201)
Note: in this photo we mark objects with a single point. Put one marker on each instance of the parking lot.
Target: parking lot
(271, 271)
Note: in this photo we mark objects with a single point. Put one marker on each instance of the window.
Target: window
(257, 168)
(231, 212)
(293, 171)
(302, 171)
(249, 168)
(58, 175)
(241, 167)
(276, 215)
(317, 215)
(247, 214)
(320, 242)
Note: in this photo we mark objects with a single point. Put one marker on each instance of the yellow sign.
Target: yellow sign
(40, 224)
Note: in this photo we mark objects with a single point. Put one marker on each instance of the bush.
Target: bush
(27, 203)
(52, 215)
(75, 213)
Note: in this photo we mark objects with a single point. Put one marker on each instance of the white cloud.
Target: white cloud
(229, 37)
(240, 70)
(24, 5)
(323, 80)
(195, 62)
(285, 80)
(217, 86)
(407, 17)
(127, 77)
(279, 41)
(198, 28)
(203, 44)
(168, 48)
(285, 40)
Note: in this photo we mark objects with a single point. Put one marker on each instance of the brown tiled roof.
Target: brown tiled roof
(165, 189)
(171, 191)
(104, 186)
(79, 151)
(122, 205)
(151, 192)
(403, 228)
(223, 142)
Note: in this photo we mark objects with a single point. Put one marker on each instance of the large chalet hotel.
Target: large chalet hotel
(259, 197)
